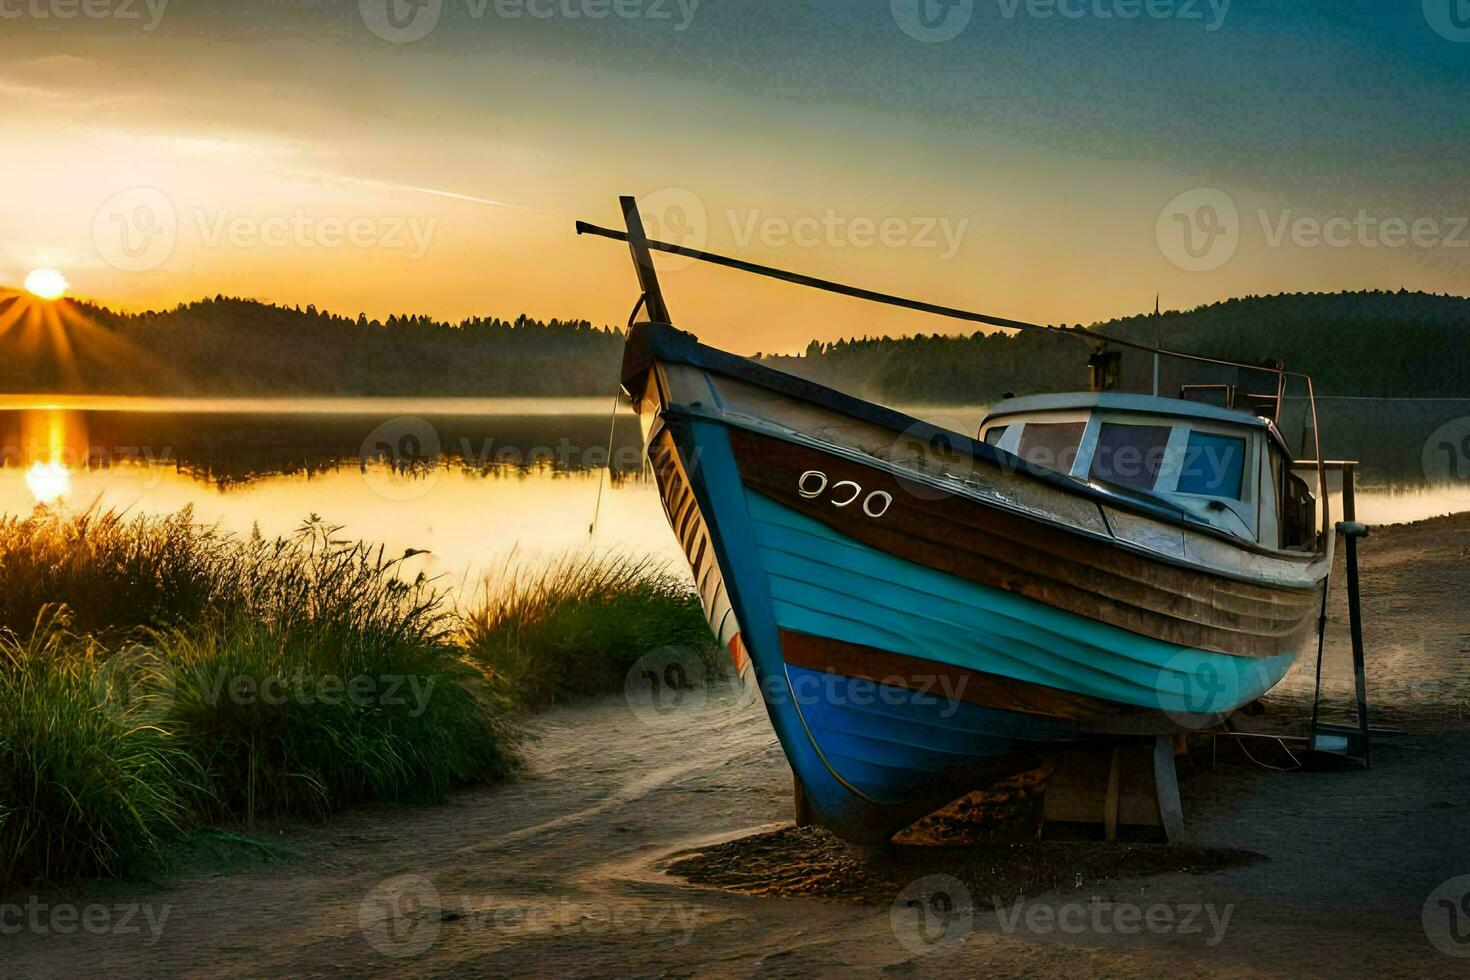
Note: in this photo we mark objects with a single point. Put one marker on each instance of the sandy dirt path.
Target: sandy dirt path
(560, 872)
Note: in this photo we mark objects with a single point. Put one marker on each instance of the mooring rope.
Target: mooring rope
(612, 429)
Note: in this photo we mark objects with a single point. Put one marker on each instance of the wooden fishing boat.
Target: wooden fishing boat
(925, 611)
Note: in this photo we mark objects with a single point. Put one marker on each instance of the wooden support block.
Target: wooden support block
(1126, 790)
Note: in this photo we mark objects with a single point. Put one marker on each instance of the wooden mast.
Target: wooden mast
(653, 297)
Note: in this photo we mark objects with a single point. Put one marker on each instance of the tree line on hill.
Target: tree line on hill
(1361, 343)
(1402, 344)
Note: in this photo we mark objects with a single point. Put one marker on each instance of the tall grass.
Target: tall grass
(112, 572)
(575, 626)
(157, 675)
(87, 784)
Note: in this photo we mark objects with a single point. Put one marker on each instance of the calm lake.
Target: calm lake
(476, 482)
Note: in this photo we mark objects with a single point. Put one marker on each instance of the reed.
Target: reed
(234, 678)
(114, 573)
(574, 626)
(88, 785)
(328, 677)
(158, 676)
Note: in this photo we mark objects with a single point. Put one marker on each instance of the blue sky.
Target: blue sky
(1059, 152)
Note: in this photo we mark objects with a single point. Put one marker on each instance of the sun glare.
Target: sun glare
(48, 482)
(47, 284)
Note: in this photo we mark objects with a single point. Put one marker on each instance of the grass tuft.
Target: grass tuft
(576, 625)
(158, 676)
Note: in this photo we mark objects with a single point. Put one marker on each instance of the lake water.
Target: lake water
(477, 481)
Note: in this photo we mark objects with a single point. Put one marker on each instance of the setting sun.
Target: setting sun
(48, 482)
(47, 284)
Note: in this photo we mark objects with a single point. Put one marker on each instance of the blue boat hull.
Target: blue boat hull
(873, 749)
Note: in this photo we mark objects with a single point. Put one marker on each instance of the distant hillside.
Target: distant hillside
(1366, 343)
(241, 347)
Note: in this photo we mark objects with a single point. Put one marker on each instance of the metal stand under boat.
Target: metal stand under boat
(1127, 790)
(1335, 747)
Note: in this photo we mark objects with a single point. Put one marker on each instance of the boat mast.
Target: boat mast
(653, 296)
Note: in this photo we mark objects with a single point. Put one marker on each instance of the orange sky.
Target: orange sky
(298, 167)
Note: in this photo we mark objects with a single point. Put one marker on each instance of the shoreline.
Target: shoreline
(562, 870)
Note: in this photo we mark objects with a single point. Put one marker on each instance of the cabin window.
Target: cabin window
(1051, 445)
(1129, 455)
(994, 434)
(1214, 466)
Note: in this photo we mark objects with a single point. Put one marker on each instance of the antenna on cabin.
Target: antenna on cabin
(1158, 342)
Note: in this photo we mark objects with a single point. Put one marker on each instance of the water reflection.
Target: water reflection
(472, 489)
(473, 480)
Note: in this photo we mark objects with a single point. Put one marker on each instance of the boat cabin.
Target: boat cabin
(1219, 466)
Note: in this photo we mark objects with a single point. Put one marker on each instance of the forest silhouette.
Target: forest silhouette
(1359, 343)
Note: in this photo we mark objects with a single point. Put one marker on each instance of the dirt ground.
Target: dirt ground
(570, 871)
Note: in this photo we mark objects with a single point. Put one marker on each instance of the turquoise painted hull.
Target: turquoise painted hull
(871, 757)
